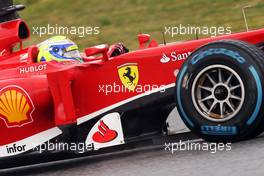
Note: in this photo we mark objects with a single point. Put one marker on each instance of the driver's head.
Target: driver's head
(60, 49)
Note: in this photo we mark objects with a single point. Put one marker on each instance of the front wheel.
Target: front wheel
(219, 91)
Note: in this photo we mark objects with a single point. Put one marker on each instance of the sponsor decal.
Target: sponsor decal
(174, 57)
(33, 68)
(106, 132)
(164, 59)
(29, 143)
(14, 148)
(234, 55)
(129, 75)
(16, 107)
(219, 130)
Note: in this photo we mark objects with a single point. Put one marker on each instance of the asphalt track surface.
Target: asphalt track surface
(245, 158)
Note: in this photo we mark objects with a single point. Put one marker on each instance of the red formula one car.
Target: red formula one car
(122, 97)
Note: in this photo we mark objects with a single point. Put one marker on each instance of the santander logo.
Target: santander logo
(104, 133)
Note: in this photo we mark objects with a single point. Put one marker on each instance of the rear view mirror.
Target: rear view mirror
(143, 40)
(99, 49)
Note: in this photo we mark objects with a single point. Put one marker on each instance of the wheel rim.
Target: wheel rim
(218, 93)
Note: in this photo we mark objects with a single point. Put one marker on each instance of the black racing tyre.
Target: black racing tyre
(260, 46)
(219, 91)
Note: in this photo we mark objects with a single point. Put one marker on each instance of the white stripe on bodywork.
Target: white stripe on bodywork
(31, 142)
(99, 112)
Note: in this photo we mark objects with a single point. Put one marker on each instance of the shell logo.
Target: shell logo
(16, 107)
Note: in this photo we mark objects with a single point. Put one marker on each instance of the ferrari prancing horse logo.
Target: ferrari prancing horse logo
(128, 74)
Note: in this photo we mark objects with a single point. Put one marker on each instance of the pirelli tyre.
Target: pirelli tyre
(219, 91)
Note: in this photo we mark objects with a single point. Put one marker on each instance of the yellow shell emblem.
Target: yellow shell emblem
(16, 106)
(129, 75)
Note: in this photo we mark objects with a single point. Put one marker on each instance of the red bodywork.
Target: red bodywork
(70, 94)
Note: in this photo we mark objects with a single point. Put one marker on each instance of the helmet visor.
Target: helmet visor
(65, 52)
(72, 54)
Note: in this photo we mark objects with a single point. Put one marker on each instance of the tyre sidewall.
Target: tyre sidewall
(237, 127)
